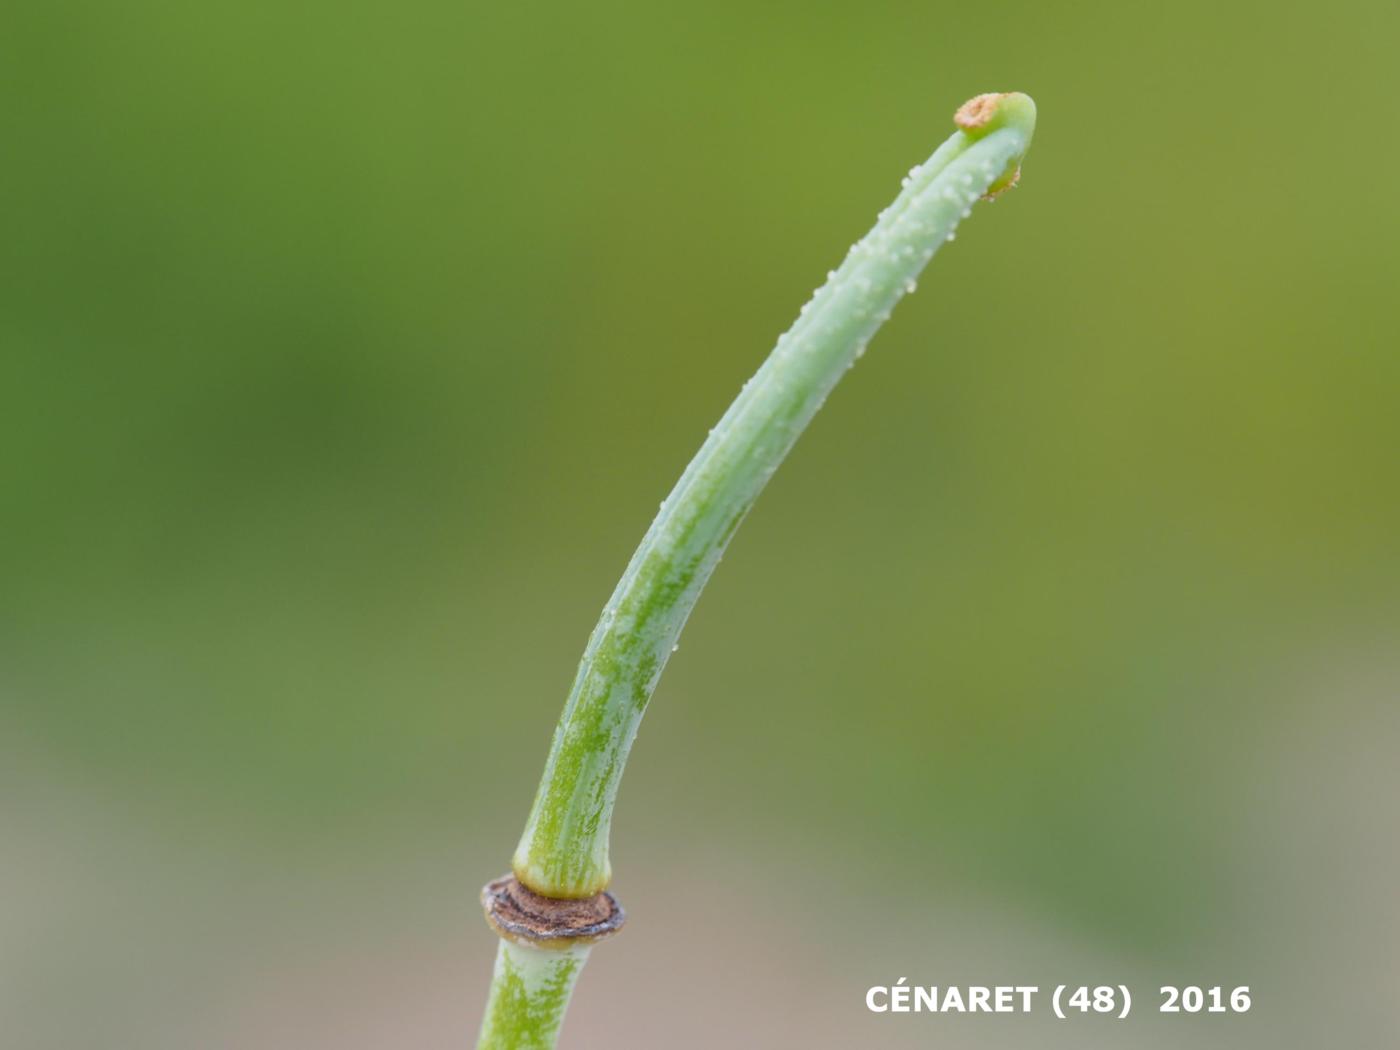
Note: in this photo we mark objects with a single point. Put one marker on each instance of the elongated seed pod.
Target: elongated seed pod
(564, 850)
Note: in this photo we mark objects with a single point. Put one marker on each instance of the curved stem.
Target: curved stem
(564, 850)
(563, 854)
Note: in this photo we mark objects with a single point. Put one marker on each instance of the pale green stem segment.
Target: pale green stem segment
(564, 851)
(530, 991)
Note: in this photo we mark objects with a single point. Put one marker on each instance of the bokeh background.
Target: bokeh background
(347, 350)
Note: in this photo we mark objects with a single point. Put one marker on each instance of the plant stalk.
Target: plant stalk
(563, 853)
(530, 991)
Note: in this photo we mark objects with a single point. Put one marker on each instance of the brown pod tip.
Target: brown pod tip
(521, 915)
(978, 112)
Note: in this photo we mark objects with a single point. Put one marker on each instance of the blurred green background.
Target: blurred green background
(348, 349)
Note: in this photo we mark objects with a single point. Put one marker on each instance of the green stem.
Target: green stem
(530, 991)
(564, 850)
(563, 853)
